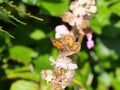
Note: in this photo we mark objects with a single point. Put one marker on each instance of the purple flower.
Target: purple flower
(90, 42)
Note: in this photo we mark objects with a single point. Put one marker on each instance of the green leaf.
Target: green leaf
(104, 79)
(22, 72)
(101, 87)
(37, 34)
(31, 2)
(117, 73)
(115, 8)
(86, 69)
(1, 1)
(54, 7)
(97, 28)
(22, 54)
(97, 68)
(24, 85)
(84, 55)
(79, 78)
(100, 19)
(116, 84)
(103, 52)
(24, 75)
(2, 48)
(42, 62)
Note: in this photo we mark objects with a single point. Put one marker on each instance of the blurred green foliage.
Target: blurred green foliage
(23, 57)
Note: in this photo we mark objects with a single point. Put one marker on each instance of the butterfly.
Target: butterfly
(66, 44)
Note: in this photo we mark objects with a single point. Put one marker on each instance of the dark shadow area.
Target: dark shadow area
(111, 33)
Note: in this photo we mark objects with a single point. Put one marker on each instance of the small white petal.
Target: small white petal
(93, 9)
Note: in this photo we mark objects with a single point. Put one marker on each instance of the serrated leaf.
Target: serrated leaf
(22, 54)
(24, 85)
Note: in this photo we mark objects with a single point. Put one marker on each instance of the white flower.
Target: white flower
(93, 9)
(47, 75)
(63, 62)
(82, 2)
(61, 30)
(81, 11)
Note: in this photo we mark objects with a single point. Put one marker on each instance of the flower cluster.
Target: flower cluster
(63, 62)
(80, 11)
(67, 41)
(63, 74)
(79, 16)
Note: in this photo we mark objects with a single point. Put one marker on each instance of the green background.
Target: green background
(22, 58)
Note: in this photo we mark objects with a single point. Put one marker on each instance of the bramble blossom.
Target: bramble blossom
(61, 30)
(79, 11)
(63, 62)
(47, 75)
(78, 18)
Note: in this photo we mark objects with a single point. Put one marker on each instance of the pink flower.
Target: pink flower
(90, 42)
(89, 36)
(63, 62)
(61, 30)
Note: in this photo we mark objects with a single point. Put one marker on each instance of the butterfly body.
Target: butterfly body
(66, 44)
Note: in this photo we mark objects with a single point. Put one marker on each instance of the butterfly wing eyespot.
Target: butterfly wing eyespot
(57, 44)
(76, 47)
(68, 40)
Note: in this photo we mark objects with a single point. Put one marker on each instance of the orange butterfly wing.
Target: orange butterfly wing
(68, 40)
(66, 44)
(58, 44)
(75, 47)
